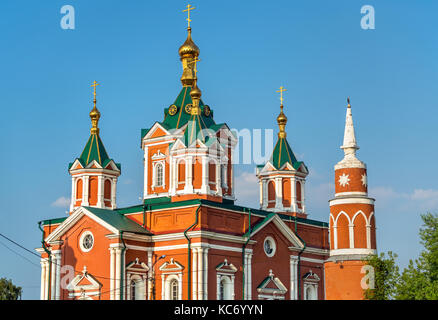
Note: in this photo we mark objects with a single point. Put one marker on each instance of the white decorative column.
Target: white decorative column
(279, 194)
(53, 279)
(73, 193)
(303, 195)
(205, 272)
(218, 178)
(200, 274)
(293, 196)
(57, 255)
(293, 278)
(46, 280)
(145, 166)
(173, 176)
(249, 294)
(368, 228)
(265, 194)
(351, 234)
(113, 193)
(189, 175)
(205, 188)
(43, 279)
(195, 273)
(100, 202)
(150, 274)
(112, 258)
(118, 270)
(261, 193)
(85, 187)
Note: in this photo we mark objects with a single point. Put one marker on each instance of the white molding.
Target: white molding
(361, 251)
(358, 200)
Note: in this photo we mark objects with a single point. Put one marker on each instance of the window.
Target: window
(158, 175)
(137, 288)
(174, 290)
(269, 246)
(221, 290)
(86, 241)
(133, 293)
(225, 288)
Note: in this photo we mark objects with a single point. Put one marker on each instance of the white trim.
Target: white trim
(360, 251)
(81, 241)
(358, 200)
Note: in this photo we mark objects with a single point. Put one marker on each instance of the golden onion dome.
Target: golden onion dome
(189, 48)
(281, 119)
(95, 116)
(195, 93)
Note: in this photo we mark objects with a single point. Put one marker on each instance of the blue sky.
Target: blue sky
(316, 49)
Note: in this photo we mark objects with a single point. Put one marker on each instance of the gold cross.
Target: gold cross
(282, 89)
(94, 85)
(189, 7)
(195, 62)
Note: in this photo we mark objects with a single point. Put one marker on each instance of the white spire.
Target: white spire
(349, 146)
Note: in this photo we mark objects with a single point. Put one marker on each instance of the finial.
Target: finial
(94, 114)
(348, 101)
(189, 8)
(188, 52)
(281, 119)
(282, 89)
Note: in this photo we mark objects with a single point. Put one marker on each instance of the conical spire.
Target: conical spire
(349, 146)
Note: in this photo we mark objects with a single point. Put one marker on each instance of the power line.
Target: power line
(20, 255)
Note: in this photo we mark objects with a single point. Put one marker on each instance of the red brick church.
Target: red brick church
(189, 239)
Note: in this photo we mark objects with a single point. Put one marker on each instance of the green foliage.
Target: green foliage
(8, 291)
(386, 275)
(419, 281)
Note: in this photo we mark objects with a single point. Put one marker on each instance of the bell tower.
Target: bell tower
(352, 222)
(282, 179)
(94, 175)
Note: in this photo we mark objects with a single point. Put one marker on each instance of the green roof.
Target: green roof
(94, 150)
(283, 154)
(182, 117)
(118, 220)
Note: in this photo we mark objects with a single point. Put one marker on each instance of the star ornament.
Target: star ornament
(364, 180)
(344, 180)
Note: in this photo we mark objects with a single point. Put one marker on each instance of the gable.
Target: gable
(275, 221)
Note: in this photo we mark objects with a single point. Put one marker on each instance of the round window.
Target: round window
(269, 246)
(87, 241)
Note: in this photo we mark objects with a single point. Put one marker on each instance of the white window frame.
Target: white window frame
(81, 241)
(154, 174)
(274, 246)
(166, 292)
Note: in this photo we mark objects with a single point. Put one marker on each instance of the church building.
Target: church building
(189, 239)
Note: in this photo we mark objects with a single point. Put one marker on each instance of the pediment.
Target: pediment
(272, 285)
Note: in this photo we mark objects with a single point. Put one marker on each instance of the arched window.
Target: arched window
(222, 290)
(79, 189)
(298, 190)
(309, 294)
(271, 194)
(107, 189)
(133, 291)
(174, 287)
(137, 288)
(225, 288)
(159, 175)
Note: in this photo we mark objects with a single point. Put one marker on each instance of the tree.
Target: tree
(386, 275)
(419, 281)
(8, 291)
